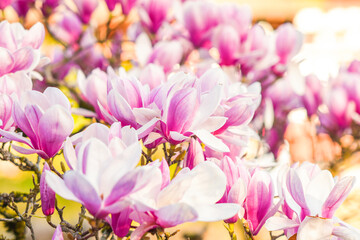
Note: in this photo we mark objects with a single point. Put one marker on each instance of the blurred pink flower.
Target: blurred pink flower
(20, 52)
(85, 9)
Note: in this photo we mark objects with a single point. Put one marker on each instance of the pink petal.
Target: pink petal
(337, 196)
(55, 125)
(83, 190)
(175, 214)
(34, 37)
(7, 61)
(25, 59)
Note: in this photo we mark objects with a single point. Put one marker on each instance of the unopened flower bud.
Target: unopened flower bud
(47, 194)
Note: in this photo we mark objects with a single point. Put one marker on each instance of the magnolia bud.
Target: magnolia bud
(47, 194)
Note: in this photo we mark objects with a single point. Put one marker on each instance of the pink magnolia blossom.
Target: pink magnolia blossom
(85, 9)
(153, 13)
(103, 176)
(312, 97)
(58, 234)
(340, 110)
(20, 52)
(166, 54)
(194, 154)
(153, 75)
(47, 194)
(227, 40)
(94, 89)
(11, 87)
(121, 223)
(67, 27)
(259, 200)
(308, 192)
(45, 118)
(288, 42)
(200, 17)
(238, 16)
(125, 93)
(190, 196)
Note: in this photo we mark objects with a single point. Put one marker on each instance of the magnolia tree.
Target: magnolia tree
(175, 92)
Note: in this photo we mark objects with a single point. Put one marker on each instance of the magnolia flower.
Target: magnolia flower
(103, 177)
(200, 17)
(288, 42)
(94, 89)
(237, 180)
(190, 196)
(308, 192)
(47, 194)
(85, 9)
(45, 118)
(194, 154)
(153, 13)
(20, 52)
(153, 75)
(166, 54)
(125, 93)
(11, 87)
(67, 27)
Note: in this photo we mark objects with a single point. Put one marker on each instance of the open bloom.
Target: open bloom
(190, 196)
(20, 52)
(103, 177)
(45, 118)
(308, 192)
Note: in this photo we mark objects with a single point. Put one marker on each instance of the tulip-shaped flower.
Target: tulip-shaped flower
(94, 89)
(190, 196)
(259, 200)
(85, 9)
(153, 13)
(288, 42)
(47, 194)
(45, 118)
(67, 27)
(125, 94)
(20, 52)
(312, 96)
(58, 234)
(237, 179)
(167, 54)
(103, 176)
(194, 154)
(11, 86)
(200, 17)
(308, 192)
(340, 113)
